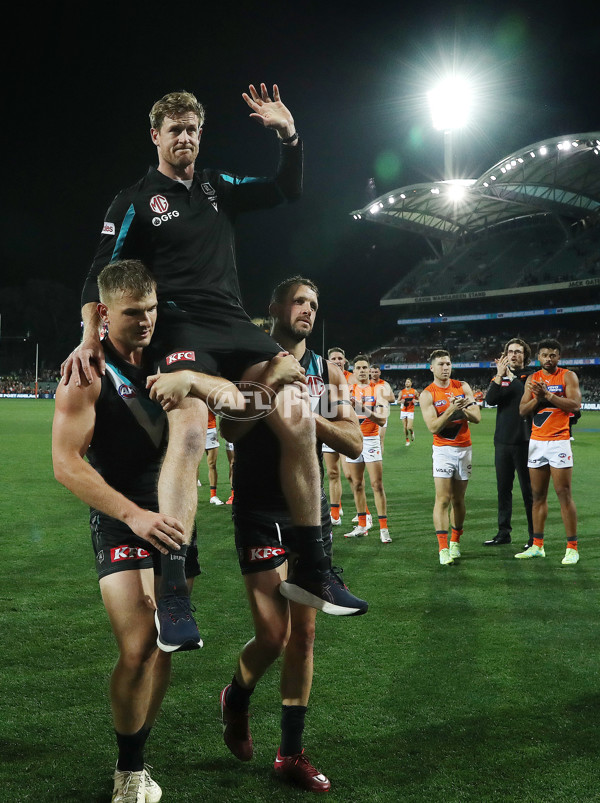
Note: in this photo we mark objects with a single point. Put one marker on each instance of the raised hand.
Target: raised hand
(270, 112)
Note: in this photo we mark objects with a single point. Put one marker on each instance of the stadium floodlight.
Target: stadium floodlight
(450, 105)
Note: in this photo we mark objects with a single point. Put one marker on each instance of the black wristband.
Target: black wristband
(290, 139)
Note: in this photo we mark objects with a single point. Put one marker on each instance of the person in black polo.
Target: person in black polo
(511, 438)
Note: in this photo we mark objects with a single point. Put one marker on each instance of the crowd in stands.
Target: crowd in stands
(465, 348)
(480, 380)
(23, 382)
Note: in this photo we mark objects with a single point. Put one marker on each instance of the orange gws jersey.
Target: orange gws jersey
(365, 395)
(347, 375)
(212, 421)
(549, 423)
(455, 433)
(407, 400)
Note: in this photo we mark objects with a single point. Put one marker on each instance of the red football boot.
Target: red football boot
(298, 768)
(236, 730)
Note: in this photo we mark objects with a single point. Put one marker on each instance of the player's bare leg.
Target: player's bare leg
(128, 599)
(270, 614)
(297, 668)
(177, 489)
(375, 471)
(332, 464)
(177, 492)
(561, 478)
(382, 433)
(357, 482)
(540, 481)
(271, 618)
(140, 678)
(441, 516)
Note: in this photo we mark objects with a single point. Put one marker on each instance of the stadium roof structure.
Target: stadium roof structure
(556, 178)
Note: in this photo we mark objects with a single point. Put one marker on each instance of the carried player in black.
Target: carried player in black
(113, 423)
(181, 222)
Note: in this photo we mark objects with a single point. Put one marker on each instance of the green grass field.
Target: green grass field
(475, 682)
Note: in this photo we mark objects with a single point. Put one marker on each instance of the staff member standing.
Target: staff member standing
(511, 437)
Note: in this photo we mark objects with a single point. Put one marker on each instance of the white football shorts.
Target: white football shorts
(451, 462)
(371, 452)
(557, 454)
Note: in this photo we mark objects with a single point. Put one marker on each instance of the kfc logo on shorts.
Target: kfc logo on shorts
(159, 204)
(118, 553)
(127, 392)
(108, 228)
(179, 356)
(257, 553)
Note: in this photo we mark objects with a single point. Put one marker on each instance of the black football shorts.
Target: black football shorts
(260, 537)
(118, 549)
(218, 345)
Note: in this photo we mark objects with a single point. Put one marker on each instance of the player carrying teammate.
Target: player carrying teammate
(448, 407)
(261, 521)
(372, 411)
(550, 395)
(406, 400)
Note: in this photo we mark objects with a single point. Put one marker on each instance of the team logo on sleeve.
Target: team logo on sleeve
(108, 228)
(179, 356)
(159, 204)
(212, 195)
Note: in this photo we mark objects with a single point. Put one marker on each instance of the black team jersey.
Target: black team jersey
(511, 428)
(186, 237)
(130, 431)
(256, 482)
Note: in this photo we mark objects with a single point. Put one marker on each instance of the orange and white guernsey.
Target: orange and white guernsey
(411, 395)
(549, 423)
(212, 421)
(455, 433)
(347, 375)
(366, 395)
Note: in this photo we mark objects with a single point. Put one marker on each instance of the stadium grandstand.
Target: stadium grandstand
(515, 252)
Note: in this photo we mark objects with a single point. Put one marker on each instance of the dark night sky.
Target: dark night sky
(353, 75)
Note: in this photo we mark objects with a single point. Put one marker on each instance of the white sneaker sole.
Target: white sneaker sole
(303, 597)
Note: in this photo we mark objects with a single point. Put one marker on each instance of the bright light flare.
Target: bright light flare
(450, 104)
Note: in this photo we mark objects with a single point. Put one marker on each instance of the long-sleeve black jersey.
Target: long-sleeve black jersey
(186, 237)
(510, 427)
